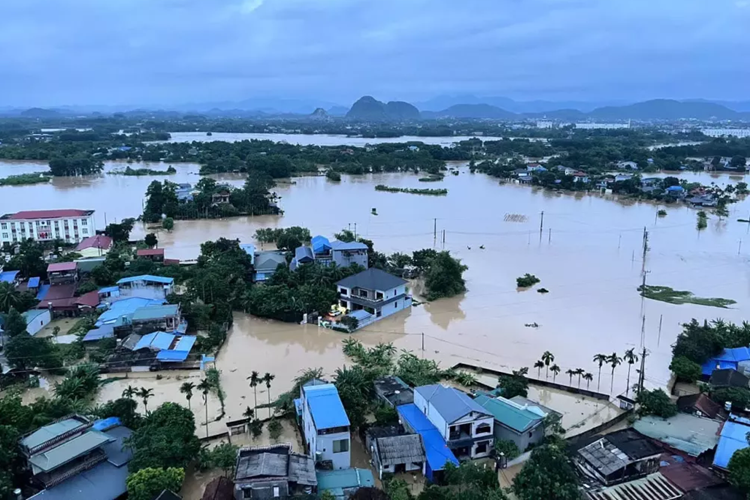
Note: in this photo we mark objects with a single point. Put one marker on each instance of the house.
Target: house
(62, 273)
(394, 453)
(728, 358)
(685, 433)
(171, 348)
(152, 254)
(622, 177)
(565, 170)
(375, 292)
(705, 200)
(165, 318)
(618, 457)
(184, 192)
(393, 391)
(630, 165)
(437, 453)
(651, 181)
(688, 475)
(273, 472)
(676, 191)
(61, 300)
(651, 487)
(519, 423)
(145, 286)
(342, 484)
(465, 425)
(36, 319)
(302, 255)
(116, 312)
(699, 405)
(535, 167)
(76, 458)
(266, 264)
(325, 425)
(580, 177)
(249, 249)
(344, 254)
(525, 178)
(728, 378)
(221, 197)
(733, 438)
(221, 488)
(94, 246)
(96, 334)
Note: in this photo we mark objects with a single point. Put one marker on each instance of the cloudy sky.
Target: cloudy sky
(55, 52)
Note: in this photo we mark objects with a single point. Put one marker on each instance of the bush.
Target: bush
(333, 175)
(656, 403)
(274, 429)
(685, 370)
(527, 280)
(350, 322)
(738, 396)
(148, 483)
(508, 448)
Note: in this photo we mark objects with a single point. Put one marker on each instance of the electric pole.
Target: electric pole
(541, 225)
(434, 229)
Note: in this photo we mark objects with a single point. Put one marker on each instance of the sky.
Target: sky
(169, 52)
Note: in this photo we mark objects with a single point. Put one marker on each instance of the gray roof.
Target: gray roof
(303, 252)
(155, 312)
(604, 456)
(269, 261)
(372, 279)
(394, 390)
(53, 431)
(400, 449)
(262, 465)
(684, 432)
(451, 403)
(53, 458)
(302, 470)
(278, 462)
(131, 341)
(344, 246)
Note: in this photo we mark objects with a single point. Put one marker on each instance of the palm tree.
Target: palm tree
(579, 372)
(539, 365)
(570, 374)
(268, 378)
(129, 392)
(614, 361)
(205, 387)
(187, 389)
(600, 359)
(630, 358)
(9, 297)
(145, 394)
(555, 370)
(588, 377)
(254, 379)
(548, 358)
(249, 413)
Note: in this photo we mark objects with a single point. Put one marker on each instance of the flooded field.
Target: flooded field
(588, 255)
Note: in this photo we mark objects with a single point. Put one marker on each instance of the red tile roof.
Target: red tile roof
(61, 266)
(150, 251)
(48, 214)
(98, 241)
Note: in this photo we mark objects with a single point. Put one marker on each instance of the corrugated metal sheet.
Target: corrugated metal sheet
(147, 278)
(652, 487)
(325, 406)
(436, 450)
(733, 438)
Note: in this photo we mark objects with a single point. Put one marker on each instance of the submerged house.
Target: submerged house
(373, 294)
(273, 472)
(146, 286)
(325, 425)
(520, 423)
(266, 264)
(394, 451)
(341, 253)
(437, 452)
(618, 457)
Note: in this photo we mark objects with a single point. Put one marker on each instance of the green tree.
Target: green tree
(515, 384)
(148, 483)
(274, 429)
(129, 392)
(630, 357)
(547, 474)
(166, 438)
(254, 381)
(539, 364)
(739, 397)
(548, 358)
(588, 377)
(508, 448)
(600, 359)
(187, 389)
(29, 260)
(151, 240)
(685, 370)
(15, 323)
(24, 352)
(205, 387)
(123, 408)
(120, 232)
(739, 470)
(145, 395)
(10, 298)
(168, 223)
(222, 456)
(655, 402)
(267, 379)
(444, 278)
(555, 371)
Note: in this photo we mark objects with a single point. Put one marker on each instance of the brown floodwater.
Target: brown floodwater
(590, 263)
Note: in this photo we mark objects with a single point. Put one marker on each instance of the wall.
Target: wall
(38, 323)
(522, 440)
(394, 307)
(346, 259)
(341, 460)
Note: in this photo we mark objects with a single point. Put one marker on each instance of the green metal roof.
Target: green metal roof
(155, 312)
(69, 450)
(343, 479)
(508, 413)
(51, 431)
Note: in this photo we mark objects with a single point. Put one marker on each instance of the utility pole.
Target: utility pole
(434, 229)
(355, 230)
(443, 236)
(422, 344)
(658, 339)
(541, 225)
(642, 375)
(740, 248)
(549, 239)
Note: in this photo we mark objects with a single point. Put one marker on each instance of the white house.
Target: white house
(375, 293)
(465, 425)
(71, 225)
(36, 319)
(325, 425)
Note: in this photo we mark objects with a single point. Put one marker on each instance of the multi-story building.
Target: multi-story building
(372, 295)
(325, 425)
(70, 225)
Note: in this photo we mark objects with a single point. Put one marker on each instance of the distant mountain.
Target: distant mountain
(368, 108)
(538, 106)
(665, 109)
(338, 110)
(483, 111)
(320, 114)
(40, 113)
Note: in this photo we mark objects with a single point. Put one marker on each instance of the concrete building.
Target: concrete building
(394, 451)
(94, 246)
(325, 425)
(518, 423)
(145, 286)
(618, 457)
(71, 226)
(62, 273)
(342, 484)
(373, 294)
(36, 319)
(466, 426)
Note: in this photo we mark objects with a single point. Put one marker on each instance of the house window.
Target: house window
(483, 429)
(343, 291)
(341, 446)
(5, 235)
(276, 492)
(363, 293)
(378, 313)
(395, 305)
(343, 303)
(84, 222)
(4, 225)
(379, 295)
(481, 447)
(531, 434)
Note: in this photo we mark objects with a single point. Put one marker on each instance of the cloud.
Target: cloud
(174, 51)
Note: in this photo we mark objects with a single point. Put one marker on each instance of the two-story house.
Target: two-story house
(325, 425)
(466, 427)
(375, 292)
(522, 424)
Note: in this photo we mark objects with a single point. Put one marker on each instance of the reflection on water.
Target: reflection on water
(588, 255)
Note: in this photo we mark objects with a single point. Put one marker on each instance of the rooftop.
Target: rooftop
(326, 408)
(155, 312)
(337, 481)
(343, 246)
(688, 433)
(729, 378)
(652, 487)
(61, 267)
(449, 402)
(147, 252)
(733, 438)
(33, 282)
(700, 402)
(395, 390)
(53, 431)
(46, 214)
(124, 307)
(8, 276)
(509, 413)
(728, 358)
(147, 278)
(155, 341)
(436, 450)
(276, 461)
(98, 241)
(53, 458)
(402, 449)
(372, 279)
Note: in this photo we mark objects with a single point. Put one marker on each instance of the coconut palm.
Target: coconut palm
(129, 392)
(254, 379)
(249, 413)
(548, 358)
(539, 365)
(187, 389)
(614, 361)
(600, 359)
(268, 378)
(588, 377)
(555, 370)
(205, 387)
(630, 358)
(570, 374)
(145, 394)
(579, 372)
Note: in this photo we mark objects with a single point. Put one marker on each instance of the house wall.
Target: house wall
(347, 258)
(522, 440)
(38, 323)
(476, 420)
(69, 229)
(394, 307)
(324, 443)
(432, 415)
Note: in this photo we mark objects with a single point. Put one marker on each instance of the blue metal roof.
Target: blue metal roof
(360, 315)
(109, 289)
(320, 244)
(155, 341)
(436, 449)
(147, 277)
(325, 406)
(303, 255)
(106, 423)
(348, 245)
(43, 289)
(8, 276)
(104, 332)
(340, 482)
(675, 188)
(125, 307)
(733, 438)
(34, 282)
(727, 359)
(186, 343)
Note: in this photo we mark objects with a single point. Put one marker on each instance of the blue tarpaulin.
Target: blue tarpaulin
(155, 341)
(180, 351)
(733, 438)
(436, 449)
(8, 276)
(104, 332)
(42, 292)
(728, 359)
(34, 282)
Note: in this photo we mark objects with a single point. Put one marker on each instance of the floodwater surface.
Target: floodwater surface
(587, 253)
